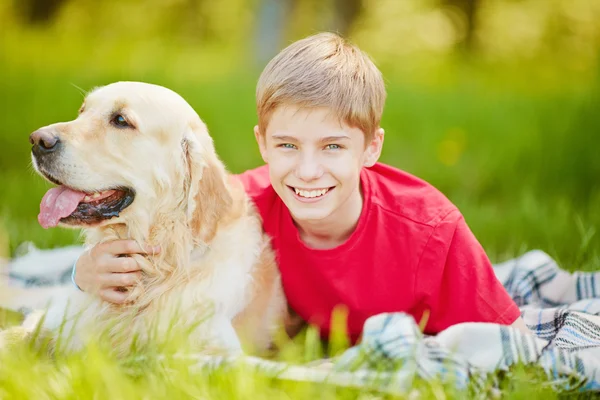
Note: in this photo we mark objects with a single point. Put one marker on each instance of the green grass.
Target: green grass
(159, 370)
(521, 164)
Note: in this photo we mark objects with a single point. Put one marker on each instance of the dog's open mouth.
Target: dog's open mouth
(69, 206)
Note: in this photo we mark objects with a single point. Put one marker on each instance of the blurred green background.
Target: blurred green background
(495, 102)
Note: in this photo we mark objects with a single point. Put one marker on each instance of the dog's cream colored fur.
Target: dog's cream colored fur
(216, 267)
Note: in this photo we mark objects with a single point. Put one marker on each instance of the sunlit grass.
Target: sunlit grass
(167, 367)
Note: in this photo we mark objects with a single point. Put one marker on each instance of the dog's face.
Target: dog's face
(133, 150)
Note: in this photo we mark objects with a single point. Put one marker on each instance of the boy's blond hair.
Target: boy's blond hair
(323, 70)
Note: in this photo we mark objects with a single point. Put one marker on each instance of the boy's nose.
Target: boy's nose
(309, 170)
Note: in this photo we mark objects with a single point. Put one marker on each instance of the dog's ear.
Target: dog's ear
(208, 195)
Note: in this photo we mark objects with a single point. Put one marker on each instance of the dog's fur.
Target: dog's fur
(216, 268)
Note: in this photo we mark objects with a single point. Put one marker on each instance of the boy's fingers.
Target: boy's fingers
(120, 280)
(123, 264)
(112, 296)
(118, 247)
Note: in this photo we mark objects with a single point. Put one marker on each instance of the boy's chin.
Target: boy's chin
(309, 212)
(304, 216)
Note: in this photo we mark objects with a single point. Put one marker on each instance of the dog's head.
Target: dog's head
(135, 151)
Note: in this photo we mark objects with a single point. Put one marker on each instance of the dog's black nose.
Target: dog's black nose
(44, 141)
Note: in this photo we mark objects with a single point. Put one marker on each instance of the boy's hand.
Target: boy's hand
(293, 323)
(105, 269)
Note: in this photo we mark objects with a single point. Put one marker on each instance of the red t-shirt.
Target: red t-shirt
(411, 251)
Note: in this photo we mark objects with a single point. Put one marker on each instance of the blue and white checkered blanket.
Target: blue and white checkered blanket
(561, 308)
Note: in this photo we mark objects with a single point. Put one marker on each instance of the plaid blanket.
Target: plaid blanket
(561, 308)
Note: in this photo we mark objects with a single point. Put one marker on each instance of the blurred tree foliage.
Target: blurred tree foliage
(493, 30)
(39, 11)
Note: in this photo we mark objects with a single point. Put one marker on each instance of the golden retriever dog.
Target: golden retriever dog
(138, 163)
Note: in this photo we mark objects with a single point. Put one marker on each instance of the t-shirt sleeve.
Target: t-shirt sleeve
(456, 281)
(255, 181)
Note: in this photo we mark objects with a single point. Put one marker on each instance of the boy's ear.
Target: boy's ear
(262, 143)
(373, 149)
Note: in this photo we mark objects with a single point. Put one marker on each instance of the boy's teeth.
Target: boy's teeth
(310, 193)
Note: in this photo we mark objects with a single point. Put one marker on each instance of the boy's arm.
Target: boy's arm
(520, 325)
(457, 283)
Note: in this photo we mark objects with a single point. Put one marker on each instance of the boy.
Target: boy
(347, 230)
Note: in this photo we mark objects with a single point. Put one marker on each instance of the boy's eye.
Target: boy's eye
(333, 147)
(287, 146)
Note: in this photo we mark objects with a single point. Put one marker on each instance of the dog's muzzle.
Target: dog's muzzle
(44, 143)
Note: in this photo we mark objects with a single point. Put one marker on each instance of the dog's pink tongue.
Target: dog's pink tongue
(58, 202)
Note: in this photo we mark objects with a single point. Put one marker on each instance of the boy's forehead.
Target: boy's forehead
(293, 118)
(311, 125)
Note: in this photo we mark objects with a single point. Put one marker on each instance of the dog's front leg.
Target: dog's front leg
(222, 338)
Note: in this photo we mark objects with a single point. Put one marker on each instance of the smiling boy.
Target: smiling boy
(347, 230)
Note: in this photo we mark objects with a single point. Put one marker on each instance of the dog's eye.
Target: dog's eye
(120, 121)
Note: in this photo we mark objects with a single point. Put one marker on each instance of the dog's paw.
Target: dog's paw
(225, 337)
(25, 248)
(13, 336)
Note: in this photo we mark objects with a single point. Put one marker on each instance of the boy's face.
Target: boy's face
(315, 161)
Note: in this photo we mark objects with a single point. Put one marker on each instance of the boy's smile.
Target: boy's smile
(310, 195)
(315, 162)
